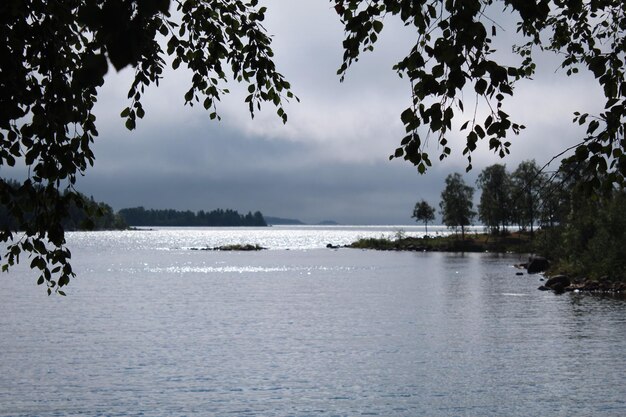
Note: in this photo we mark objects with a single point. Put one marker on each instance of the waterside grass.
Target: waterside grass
(518, 242)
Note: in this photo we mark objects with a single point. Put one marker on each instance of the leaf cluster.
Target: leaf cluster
(55, 55)
(453, 56)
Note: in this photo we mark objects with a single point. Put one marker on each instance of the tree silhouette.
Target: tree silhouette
(456, 203)
(424, 212)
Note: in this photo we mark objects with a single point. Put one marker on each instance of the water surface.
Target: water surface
(153, 328)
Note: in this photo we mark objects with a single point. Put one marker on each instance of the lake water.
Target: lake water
(152, 328)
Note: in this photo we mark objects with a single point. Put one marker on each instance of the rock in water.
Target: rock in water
(537, 264)
(558, 281)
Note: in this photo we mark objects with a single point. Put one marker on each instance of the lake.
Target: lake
(153, 328)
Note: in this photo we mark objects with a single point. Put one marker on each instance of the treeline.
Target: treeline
(84, 213)
(139, 216)
(526, 198)
(583, 231)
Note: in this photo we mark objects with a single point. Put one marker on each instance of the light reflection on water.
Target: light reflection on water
(303, 332)
(276, 237)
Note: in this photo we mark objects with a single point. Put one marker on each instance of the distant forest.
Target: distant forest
(84, 214)
(87, 214)
(139, 216)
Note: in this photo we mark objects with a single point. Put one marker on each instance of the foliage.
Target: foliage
(516, 243)
(55, 55)
(454, 57)
(424, 212)
(527, 182)
(456, 203)
(139, 216)
(591, 244)
(93, 215)
(381, 243)
(494, 209)
(87, 214)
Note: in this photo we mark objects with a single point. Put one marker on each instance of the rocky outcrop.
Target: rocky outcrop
(236, 247)
(558, 283)
(558, 280)
(562, 283)
(602, 286)
(537, 264)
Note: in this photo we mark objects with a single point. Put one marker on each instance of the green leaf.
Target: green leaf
(407, 116)
(378, 26)
(481, 86)
(479, 131)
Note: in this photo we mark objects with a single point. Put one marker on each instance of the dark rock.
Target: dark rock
(558, 281)
(331, 246)
(537, 264)
(558, 288)
(543, 288)
(519, 273)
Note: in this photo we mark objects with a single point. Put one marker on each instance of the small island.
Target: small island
(234, 247)
(518, 242)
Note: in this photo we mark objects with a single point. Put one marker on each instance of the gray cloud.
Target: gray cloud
(331, 159)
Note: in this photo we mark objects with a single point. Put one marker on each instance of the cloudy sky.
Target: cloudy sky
(331, 159)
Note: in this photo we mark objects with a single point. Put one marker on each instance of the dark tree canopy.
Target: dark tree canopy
(453, 64)
(495, 207)
(457, 203)
(139, 216)
(54, 56)
(424, 212)
(528, 183)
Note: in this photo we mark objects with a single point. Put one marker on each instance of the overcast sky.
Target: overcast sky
(330, 162)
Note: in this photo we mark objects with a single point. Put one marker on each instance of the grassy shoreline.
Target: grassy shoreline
(517, 242)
